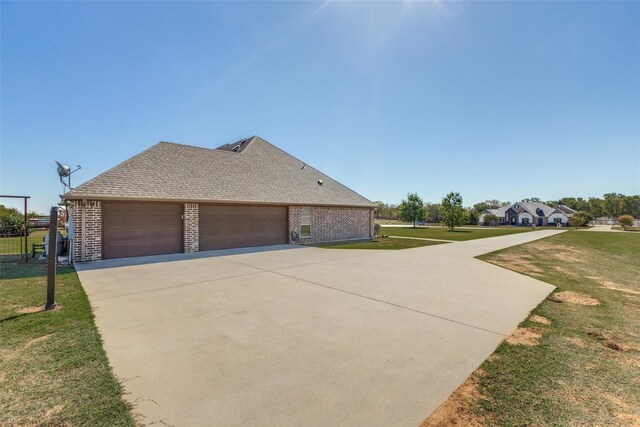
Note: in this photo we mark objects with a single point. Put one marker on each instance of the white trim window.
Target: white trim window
(305, 222)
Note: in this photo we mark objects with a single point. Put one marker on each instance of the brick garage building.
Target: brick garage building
(176, 198)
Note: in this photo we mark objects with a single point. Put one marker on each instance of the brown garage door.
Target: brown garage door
(138, 229)
(224, 227)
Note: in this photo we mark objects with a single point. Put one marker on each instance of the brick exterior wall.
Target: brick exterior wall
(334, 223)
(327, 224)
(191, 227)
(93, 229)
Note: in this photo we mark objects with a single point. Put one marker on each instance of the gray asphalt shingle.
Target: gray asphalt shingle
(259, 173)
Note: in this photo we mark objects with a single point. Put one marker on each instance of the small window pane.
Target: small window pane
(305, 222)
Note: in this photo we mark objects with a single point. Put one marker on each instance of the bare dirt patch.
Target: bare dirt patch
(576, 341)
(616, 287)
(574, 298)
(540, 319)
(611, 285)
(524, 336)
(517, 263)
(456, 410)
(37, 340)
(628, 419)
(30, 310)
(613, 342)
(53, 411)
(36, 309)
(624, 412)
(561, 252)
(545, 245)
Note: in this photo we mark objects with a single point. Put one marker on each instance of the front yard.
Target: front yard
(381, 243)
(575, 360)
(53, 369)
(459, 234)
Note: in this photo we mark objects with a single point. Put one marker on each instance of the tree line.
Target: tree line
(610, 205)
(12, 220)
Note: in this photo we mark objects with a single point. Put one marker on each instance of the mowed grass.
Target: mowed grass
(53, 369)
(458, 234)
(15, 245)
(382, 243)
(583, 367)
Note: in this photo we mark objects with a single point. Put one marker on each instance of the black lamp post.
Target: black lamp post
(52, 255)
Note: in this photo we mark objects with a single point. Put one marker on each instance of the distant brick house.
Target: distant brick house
(530, 213)
(177, 198)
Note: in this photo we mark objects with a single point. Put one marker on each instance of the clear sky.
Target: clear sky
(501, 100)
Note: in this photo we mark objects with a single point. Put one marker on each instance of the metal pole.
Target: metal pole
(26, 251)
(52, 258)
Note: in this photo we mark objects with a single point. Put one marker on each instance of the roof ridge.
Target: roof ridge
(185, 145)
(308, 165)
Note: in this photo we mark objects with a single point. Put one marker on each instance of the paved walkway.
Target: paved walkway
(420, 238)
(292, 336)
(604, 228)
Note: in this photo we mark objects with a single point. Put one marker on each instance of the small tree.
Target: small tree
(453, 214)
(11, 220)
(376, 229)
(432, 212)
(625, 221)
(411, 209)
(472, 217)
(580, 219)
(490, 219)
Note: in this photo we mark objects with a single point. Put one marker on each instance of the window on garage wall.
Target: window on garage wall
(305, 222)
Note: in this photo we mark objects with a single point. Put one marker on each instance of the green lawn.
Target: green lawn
(15, 245)
(584, 366)
(53, 369)
(381, 243)
(459, 234)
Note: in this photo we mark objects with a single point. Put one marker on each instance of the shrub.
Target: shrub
(625, 221)
(490, 219)
(376, 229)
(580, 219)
(11, 224)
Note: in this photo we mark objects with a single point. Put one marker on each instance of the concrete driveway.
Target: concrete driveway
(305, 336)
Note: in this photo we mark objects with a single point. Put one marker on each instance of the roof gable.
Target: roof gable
(565, 209)
(558, 211)
(532, 208)
(258, 173)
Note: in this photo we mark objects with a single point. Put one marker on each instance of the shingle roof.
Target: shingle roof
(259, 173)
(532, 208)
(499, 212)
(565, 209)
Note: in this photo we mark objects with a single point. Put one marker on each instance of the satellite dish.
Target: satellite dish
(63, 170)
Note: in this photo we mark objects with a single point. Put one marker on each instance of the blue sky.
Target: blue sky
(498, 100)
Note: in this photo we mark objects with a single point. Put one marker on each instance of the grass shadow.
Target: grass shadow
(19, 315)
(21, 270)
